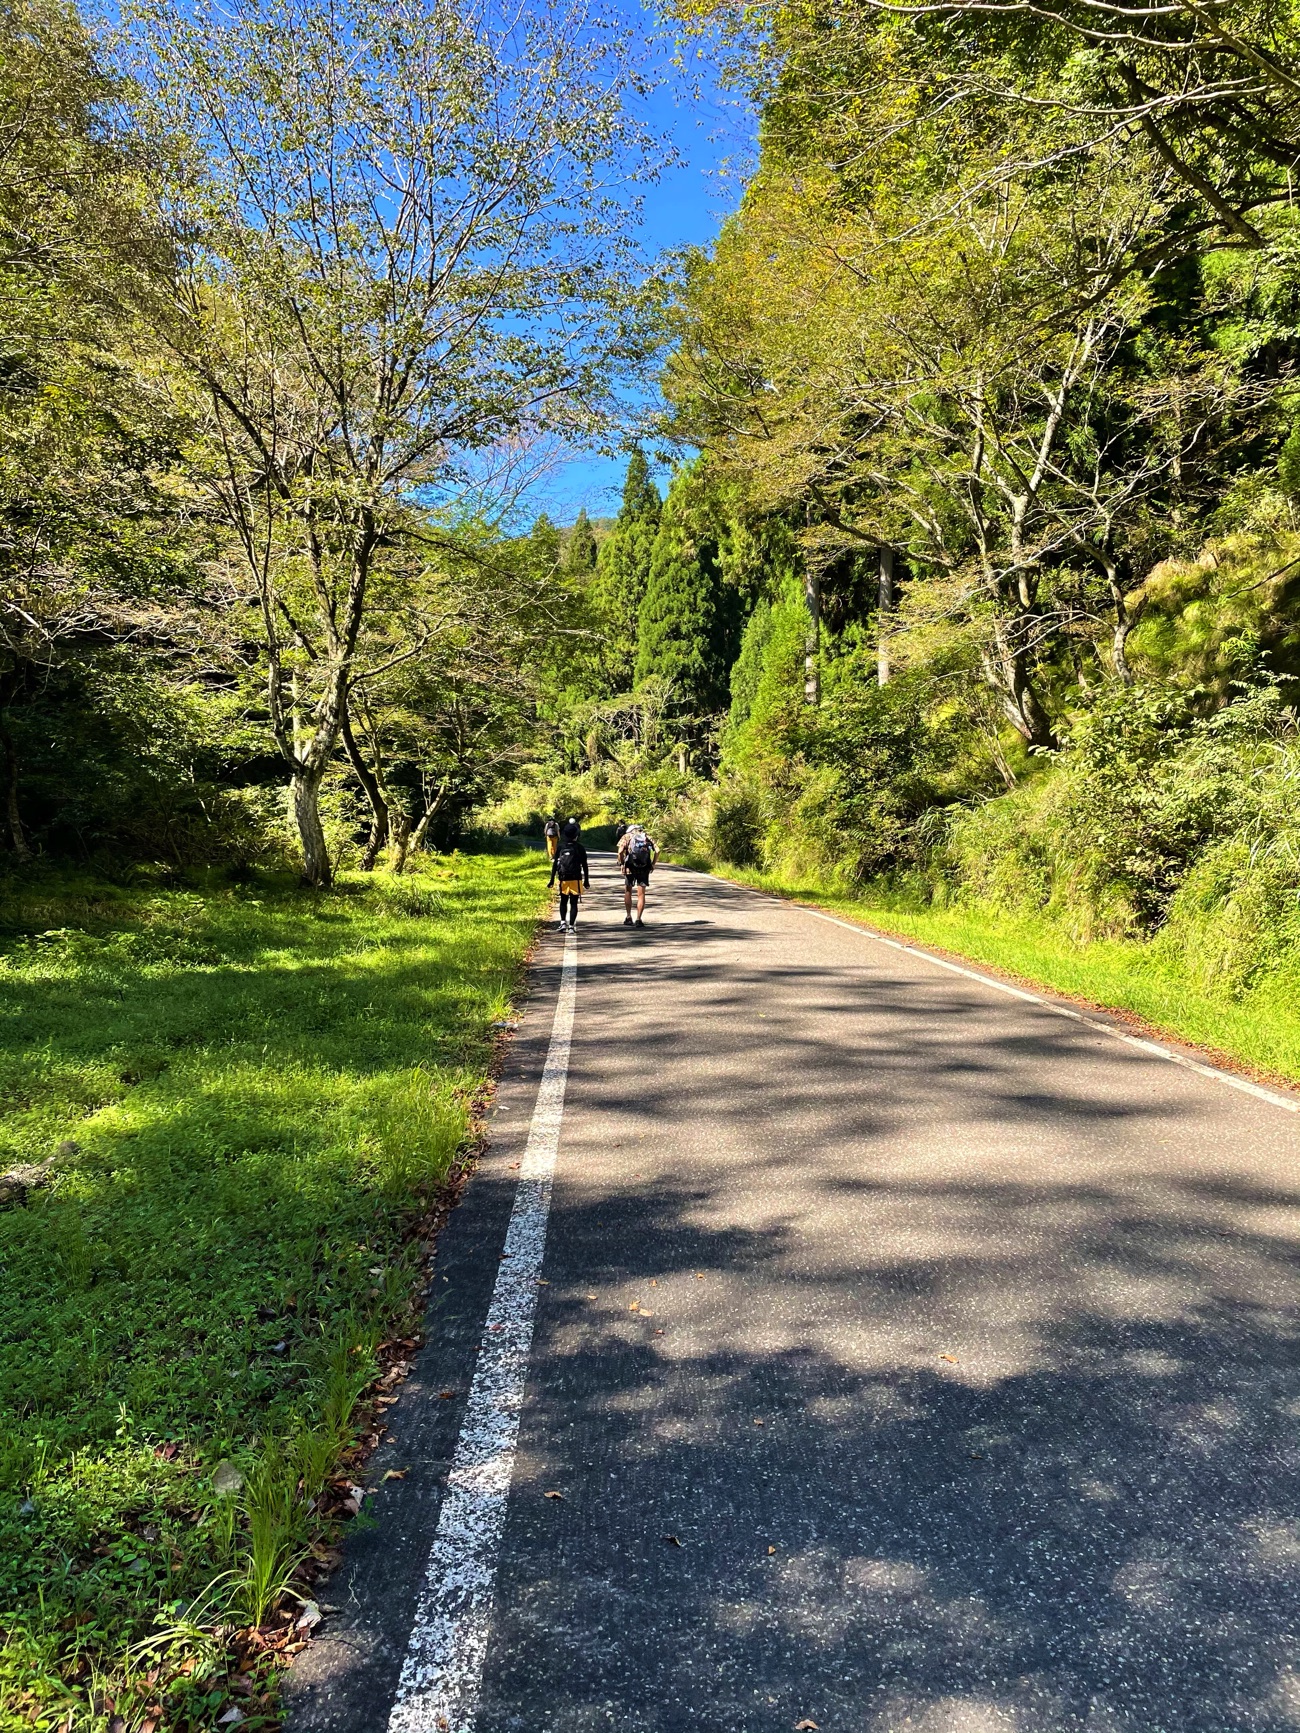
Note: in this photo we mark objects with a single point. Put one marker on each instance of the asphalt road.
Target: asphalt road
(955, 1345)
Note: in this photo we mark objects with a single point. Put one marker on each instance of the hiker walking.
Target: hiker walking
(637, 854)
(551, 831)
(570, 867)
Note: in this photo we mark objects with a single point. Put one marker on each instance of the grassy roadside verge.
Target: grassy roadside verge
(253, 1097)
(1259, 1030)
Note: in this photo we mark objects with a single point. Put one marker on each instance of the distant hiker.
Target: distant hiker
(637, 854)
(620, 831)
(570, 867)
(551, 831)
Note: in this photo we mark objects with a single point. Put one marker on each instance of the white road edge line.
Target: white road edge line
(439, 1684)
(1246, 1087)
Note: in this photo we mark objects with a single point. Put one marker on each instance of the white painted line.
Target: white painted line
(439, 1686)
(1247, 1088)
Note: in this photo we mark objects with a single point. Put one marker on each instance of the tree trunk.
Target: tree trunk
(13, 817)
(421, 830)
(884, 607)
(401, 841)
(1026, 713)
(317, 869)
(812, 686)
(379, 817)
(1009, 676)
(1126, 619)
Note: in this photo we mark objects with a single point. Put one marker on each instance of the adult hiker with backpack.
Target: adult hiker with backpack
(551, 831)
(571, 869)
(637, 854)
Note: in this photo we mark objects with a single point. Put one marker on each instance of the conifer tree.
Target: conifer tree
(545, 547)
(580, 551)
(623, 570)
(683, 621)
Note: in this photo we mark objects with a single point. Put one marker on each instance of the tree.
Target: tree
(623, 571)
(396, 246)
(580, 551)
(682, 624)
(968, 368)
(1213, 92)
(97, 545)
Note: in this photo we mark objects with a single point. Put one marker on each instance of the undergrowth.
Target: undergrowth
(251, 1095)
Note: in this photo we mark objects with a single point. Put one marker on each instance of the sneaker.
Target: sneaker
(638, 922)
(561, 926)
(628, 921)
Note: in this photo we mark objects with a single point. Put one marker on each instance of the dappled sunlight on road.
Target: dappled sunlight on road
(956, 1346)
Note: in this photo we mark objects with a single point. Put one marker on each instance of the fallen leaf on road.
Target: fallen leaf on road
(672, 1540)
(771, 1550)
(758, 1422)
(554, 1495)
(542, 1282)
(591, 1296)
(447, 1394)
(309, 1618)
(653, 1282)
(395, 1474)
(805, 1726)
(950, 1358)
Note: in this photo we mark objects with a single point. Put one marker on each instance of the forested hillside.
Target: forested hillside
(976, 571)
(983, 586)
(291, 314)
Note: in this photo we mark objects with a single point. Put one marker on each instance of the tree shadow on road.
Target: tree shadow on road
(1098, 1528)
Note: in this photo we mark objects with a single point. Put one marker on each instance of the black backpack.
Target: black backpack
(567, 864)
(637, 853)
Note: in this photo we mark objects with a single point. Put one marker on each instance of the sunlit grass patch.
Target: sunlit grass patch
(251, 1096)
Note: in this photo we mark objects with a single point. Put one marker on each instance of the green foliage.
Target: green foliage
(682, 622)
(747, 669)
(623, 571)
(255, 1092)
(580, 551)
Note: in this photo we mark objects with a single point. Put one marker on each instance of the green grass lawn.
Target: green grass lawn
(255, 1094)
(1260, 1029)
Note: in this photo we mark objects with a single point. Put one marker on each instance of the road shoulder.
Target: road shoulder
(339, 1682)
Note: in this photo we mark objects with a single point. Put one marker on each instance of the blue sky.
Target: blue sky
(712, 133)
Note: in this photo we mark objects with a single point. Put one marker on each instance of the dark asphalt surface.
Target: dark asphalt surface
(956, 1345)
